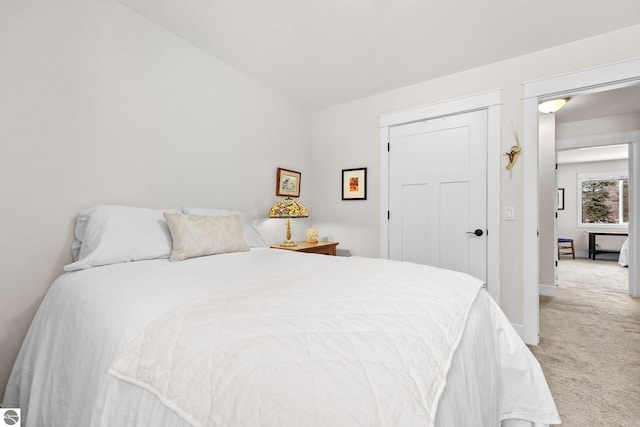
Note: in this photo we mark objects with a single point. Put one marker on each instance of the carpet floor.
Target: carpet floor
(590, 345)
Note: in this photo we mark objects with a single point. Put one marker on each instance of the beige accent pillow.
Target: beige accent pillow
(195, 236)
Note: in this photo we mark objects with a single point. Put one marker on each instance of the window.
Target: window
(603, 200)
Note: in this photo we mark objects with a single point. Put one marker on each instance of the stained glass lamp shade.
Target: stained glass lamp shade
(288, 208)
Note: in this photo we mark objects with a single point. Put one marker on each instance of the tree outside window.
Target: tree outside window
(604, 200)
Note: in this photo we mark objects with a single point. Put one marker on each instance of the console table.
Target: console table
(593, 251)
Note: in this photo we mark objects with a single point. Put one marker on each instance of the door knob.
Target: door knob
(478, 232)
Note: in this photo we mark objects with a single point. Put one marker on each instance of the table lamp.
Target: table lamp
(288, 208)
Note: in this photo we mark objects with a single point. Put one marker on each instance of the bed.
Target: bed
(258, 336)
(623, 259)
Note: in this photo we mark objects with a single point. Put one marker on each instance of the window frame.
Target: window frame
(600, 176)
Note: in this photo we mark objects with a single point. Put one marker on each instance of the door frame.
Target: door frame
(489, 101)
(601, 78)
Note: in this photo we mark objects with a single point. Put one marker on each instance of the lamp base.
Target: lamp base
(288, 242)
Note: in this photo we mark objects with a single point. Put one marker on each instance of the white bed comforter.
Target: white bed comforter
(294, 342)
(623, 259)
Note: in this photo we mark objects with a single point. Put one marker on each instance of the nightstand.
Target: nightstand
(325, 248)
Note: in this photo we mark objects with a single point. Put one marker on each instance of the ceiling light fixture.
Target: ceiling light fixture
(552, 105)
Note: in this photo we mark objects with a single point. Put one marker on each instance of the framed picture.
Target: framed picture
(560, 199)
(354, 184)
(288, 183)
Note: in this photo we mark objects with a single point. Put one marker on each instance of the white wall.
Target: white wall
(346, 136)
(547, 206)
(567, 218)
(599, 126)
(100, 106)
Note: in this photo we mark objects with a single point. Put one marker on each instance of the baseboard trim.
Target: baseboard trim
(547, 290)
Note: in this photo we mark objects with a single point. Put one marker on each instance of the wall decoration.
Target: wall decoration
(354, 184)
(288, 183)
(560, 199)
(513, 154)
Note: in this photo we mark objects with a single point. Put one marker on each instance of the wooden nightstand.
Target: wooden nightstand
(325, 248)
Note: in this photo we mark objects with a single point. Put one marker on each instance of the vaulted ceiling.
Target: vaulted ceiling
(324, 52)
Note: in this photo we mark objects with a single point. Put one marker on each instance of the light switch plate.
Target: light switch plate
(509, 213)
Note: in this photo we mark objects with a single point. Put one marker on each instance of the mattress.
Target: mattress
(385, 343)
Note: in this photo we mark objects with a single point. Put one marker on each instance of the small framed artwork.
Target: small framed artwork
(288, 183)
(354, 184)
(560, 199)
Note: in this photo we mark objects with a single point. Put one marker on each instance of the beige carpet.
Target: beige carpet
(590, 345)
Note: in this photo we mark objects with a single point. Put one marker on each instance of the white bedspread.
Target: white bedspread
(309, 349)
(623, 259)
(89, 317)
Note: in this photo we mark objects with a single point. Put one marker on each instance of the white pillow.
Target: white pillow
(254, 238)
(114, 234)
(195, 236)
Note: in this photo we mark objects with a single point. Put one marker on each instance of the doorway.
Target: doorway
(588, 137)
(595, 183)
(589, 81)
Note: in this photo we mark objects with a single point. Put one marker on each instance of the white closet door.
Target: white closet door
(438, 192)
